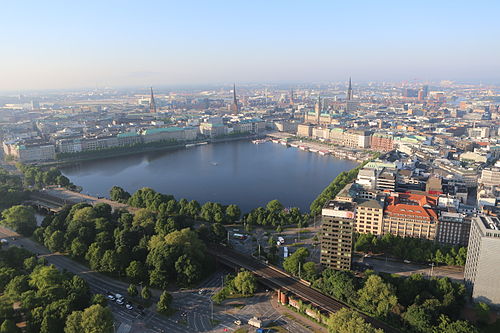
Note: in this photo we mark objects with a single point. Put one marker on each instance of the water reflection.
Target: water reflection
(237, 172)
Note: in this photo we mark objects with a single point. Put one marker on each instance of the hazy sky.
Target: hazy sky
(70, 44)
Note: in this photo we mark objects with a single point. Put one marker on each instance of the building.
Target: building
(152, 103)
(338, 219)
(411, 215)
(386, 180)
(304, 130)
(382, 142)
(453, 229)
(482, 268)
(234, 108)
(370, 216)
(490, 177)
(30, 152)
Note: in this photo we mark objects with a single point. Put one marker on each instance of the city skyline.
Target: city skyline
(55, 46)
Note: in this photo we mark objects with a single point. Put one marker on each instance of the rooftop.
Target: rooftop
(490, 222)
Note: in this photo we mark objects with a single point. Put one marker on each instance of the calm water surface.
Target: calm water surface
(242, 173)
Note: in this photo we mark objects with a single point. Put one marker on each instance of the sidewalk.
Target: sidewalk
(302, 320)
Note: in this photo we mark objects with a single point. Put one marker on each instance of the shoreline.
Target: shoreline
(141, 150)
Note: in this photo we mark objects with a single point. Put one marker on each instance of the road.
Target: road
(101, 284)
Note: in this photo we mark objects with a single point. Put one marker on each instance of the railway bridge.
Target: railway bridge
(281, 281)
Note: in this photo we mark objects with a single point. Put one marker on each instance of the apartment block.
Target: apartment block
(338, 219)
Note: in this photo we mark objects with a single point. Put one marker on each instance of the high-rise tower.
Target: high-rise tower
(234, 105)
(349, 91)
(152, 104)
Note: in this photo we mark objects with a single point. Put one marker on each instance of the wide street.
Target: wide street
(194, 307)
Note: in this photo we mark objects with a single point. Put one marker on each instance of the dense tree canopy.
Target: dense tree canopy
(245, 283)
(349, 321)
(414, 249)
(11, 189)
(20, 218)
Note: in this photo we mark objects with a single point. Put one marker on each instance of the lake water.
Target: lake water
(240, 172)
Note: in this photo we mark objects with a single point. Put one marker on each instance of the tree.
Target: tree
(482, 311)
(119, 194)
(293, 263)
(338, 284)
(78, 248)
(136, 271)
(459, 326)
(163, 304)
(245, 283)
(74, 323)
(97, 319)
(233, 212)
(45, 277)
(8, 326)
(145, 292)
(132, 290)
(20, 218)
(418, 318)
(158, 278)
(376, 297)
(99, 299)
(349, 321)
(56, 241)
(109, 262)
(187, 270)
(309, 271)
(274, 206)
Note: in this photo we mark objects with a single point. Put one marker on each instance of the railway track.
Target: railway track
(278, 279)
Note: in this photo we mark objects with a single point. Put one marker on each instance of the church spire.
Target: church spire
(349, 90)
(152, 104)
(234, 105)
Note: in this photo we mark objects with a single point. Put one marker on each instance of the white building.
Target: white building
(482, 269)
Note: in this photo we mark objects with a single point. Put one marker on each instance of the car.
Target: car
(4, 241)
(237, 322)
(129, 306)
(407, 261)
(120, 301)
(200, 292)
(110, 296)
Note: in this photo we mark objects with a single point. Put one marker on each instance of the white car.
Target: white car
(120, 301)
(237, 322)
(407, 261)
(129, 306)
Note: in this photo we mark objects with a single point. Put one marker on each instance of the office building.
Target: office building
(338, 219)
(482, 268)
(453, 229)
(411, 215)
